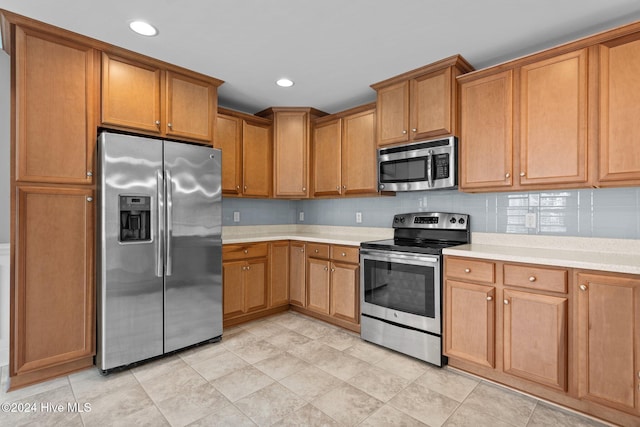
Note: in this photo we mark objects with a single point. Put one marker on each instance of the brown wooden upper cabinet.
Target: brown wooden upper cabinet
(619, 138)
(525, 127)
(56, 94)
(421, 103)
(291, 149)
(146, 97)
(245, 141)
(344, 153)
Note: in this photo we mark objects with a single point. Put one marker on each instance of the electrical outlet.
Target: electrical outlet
(236, 216)
(530, 220)
(358, 217)
(301, 216)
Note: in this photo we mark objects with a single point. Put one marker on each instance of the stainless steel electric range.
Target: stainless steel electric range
(401, 283)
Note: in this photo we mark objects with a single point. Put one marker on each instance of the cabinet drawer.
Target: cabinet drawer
(245, 251)
(466, 269)
(318, 250)
(345, 253)
(534, 277)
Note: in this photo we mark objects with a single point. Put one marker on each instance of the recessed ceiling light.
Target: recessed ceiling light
(143, 28)
(284, 82)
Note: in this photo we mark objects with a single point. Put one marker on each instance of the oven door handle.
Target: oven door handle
(403, 257)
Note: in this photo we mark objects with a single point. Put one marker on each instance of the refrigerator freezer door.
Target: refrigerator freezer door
(193, 265)
(130, 283)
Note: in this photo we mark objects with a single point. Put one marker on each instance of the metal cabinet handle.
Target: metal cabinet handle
(301, 249)
(507, 175)
(343, 254)
(344, 187)
(170, 125)
(326, 268)
(89, 199)
(337, 187)
(532, 278)
(304, 188)
(404, 132)
(522, 174)
(414, 130)
(584, 288)
(158, 123)
(467, 270)
(333, 269)
(246, 251)
(506, 302)
(237, 187)
(489, 298)
(316, 251)
(248, 267)
(89, 173)
(245, 187)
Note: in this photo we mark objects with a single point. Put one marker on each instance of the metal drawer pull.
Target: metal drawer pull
(532, 278)
(246, 251)
(344, 254)
(326, 269)
(333, 269)
(467, 270)
(316, 251)
(583, 287)
(489, 298)
(506, 302)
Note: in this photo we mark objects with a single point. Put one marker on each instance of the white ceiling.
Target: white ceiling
(332, 49)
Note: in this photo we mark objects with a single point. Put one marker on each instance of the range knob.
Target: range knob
(401, 220)
(452, 220)
(461, 221)
(396, 220)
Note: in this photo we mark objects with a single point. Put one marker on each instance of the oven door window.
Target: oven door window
(403, 287)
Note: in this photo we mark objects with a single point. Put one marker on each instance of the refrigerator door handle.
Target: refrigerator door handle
(169, 235)
(159, 223)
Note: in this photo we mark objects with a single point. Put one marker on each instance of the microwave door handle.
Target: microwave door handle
(430, 168)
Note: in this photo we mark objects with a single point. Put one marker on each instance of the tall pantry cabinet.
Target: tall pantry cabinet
(53, 128)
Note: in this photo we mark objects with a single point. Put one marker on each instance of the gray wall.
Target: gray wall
(5, 134)
(612, 213)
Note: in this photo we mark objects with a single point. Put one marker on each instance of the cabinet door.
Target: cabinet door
(255, 285)
(55, 109)
(297, 274)
(318, 285)
(327, 159)
(431, 105)
(553, 120)
(619, 111)
(278, 274)
(469, 329)
(291, 154)
(393, 114)
(233, 288)
(359, 155)
(345, 295)
(536, 350)
(256, 152)
(609, 340)
(130, 94)
(486, 135)
(229, 140)
(53, 304)
(191, 106)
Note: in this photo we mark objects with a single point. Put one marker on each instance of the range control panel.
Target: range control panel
(437, 220)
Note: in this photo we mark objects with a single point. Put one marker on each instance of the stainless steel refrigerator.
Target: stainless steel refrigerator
(160, 248)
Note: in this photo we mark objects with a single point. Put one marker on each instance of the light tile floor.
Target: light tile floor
(286, 370)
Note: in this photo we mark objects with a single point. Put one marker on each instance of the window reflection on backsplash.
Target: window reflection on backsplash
(613, 213)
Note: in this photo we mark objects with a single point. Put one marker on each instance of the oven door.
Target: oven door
(401, 287)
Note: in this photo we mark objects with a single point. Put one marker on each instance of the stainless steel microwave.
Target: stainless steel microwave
(425, 165)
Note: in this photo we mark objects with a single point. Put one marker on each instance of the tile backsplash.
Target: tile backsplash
(612, 213)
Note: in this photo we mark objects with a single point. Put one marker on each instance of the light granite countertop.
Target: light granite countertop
(613, 255)
(351, 236)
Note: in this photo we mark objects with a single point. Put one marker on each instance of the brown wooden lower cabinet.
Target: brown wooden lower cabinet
(264, 278)
(53, 299)
(568, 336)
(297, 274)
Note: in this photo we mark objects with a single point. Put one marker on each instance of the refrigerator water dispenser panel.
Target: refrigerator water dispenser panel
(135, 218)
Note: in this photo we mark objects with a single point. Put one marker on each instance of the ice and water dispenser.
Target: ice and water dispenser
(135, 218)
